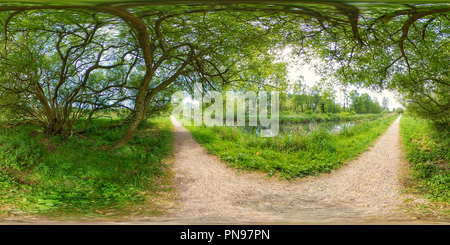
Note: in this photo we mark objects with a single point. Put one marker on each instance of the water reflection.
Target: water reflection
(301, 128)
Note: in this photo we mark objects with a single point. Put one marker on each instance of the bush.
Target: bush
(309, 112)
(291, 155)
(427, 151)
(20, 153)
(399, 110)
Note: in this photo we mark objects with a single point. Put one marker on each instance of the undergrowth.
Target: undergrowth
(61, 175)
(428, 152)
(295, 155)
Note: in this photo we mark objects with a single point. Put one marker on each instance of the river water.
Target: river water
(302, 128)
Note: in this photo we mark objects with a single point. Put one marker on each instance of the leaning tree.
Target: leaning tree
(401, 47)
(59, 63)
(56, 68)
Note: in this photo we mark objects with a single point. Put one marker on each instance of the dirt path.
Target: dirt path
(366, 189)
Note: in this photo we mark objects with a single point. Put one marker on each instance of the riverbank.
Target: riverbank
(290, 156)
(427, 151)
(69, 177)
(328, 118)
(364, 191)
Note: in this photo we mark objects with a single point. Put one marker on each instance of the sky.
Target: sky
(311, 78)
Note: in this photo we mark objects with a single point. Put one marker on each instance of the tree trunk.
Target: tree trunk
(140, 28)
(143, 97)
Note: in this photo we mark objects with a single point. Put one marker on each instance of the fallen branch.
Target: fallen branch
(114, 125)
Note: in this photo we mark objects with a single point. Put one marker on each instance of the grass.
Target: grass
(62, 176)
(291, 156)
(428, 153)
(320, 117)
(328, 117)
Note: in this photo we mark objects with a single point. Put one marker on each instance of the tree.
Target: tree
(346, 97)
(215, 46)
(315, 99)
(385, 103)
(366, 102)
(399, 110)
(47, 78)
(155, 49)
(300, 97)
(414, 60)
(327, 97)
(363, 103)
(375, 106)
(356, 104)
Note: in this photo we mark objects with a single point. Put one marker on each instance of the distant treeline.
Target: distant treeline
(315, 100)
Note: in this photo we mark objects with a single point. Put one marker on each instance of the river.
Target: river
(302, 128)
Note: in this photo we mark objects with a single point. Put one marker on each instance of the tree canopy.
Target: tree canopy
(59, 65)
(401, 47)
(63, 62)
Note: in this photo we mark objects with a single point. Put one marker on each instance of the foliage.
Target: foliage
(59, 64)
(399, 110)
(322, 99)
(62, 176)
(363, 103)
(308, 112)
(402, 48)
(310, 117)
(19, 153)
(428, 154)
(291, 155)
(53, 71)
(159, 48)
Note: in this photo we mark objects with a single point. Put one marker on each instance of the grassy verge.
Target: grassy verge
(290, 156)
(428, 152)
(328, 118)
(62, 176)
(321, 117)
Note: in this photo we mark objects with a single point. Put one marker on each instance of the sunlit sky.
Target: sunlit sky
(311, 78)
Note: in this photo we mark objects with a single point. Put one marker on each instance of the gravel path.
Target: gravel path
(366, 189)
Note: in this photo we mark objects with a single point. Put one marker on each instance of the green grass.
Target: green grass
(290, 156)
(315, 118)
(328, 118)
(428, 152)
(365, 2)
(58, 176)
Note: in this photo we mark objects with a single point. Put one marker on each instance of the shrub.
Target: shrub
(399, 110)
(20, 153)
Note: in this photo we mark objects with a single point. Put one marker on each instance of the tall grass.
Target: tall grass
(328, 118)
(428, 152)
(62, 175)
(292, 156)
